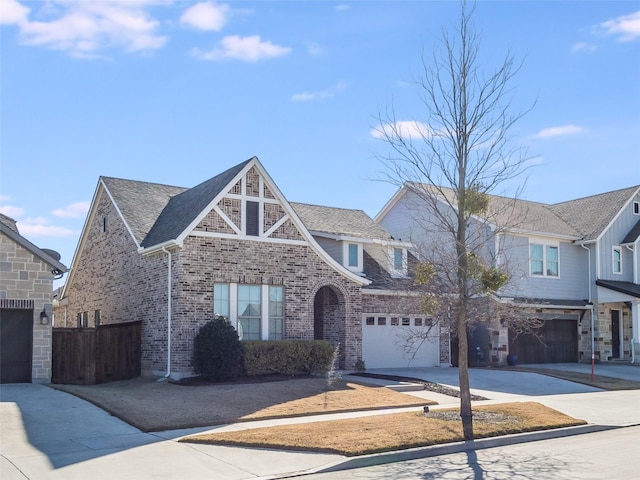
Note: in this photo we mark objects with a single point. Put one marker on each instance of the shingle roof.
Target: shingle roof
(140, 202)
(9, 222)
(183, 208)
(584, 218)
(514, 213)
(633, 234)
(591, 215)
(632, 289)
(339, 221)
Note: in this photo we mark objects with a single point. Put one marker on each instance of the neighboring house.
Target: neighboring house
(574, 265)
(173, 257)
(26, 284)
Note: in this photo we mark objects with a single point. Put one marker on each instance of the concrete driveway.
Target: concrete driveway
(48, 434)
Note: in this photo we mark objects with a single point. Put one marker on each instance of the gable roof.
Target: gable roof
(140, 203)
(57, 268)
(183, 208)
(581, 219)
(340, 222)
(633, 234)
(592, 215)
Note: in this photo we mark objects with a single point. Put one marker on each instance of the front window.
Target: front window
(221, 300)
(544, 260)
(276, 313)
(249, 311)
(617, 260)
(256, 311)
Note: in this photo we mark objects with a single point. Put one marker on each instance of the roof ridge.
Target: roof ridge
(327, 206)
(633, 187)
(141, 181)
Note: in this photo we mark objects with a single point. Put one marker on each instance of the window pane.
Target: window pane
(552, 261)
(536, 259)
(249, 311)
(617, 263)
(276, 313)
(353, 255)
(397, 258)
(221, 299)
(275, 301)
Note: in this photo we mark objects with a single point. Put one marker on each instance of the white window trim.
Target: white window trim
(402, 272)
(615, 249)
(264, 307)
(636, 207)
(544, 243)
(345, 255)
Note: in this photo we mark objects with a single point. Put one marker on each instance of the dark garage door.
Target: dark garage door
(556, 342)
(16, 338)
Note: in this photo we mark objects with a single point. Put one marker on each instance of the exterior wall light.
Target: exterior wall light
(44, 318)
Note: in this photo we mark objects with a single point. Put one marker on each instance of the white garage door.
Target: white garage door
(399, 342)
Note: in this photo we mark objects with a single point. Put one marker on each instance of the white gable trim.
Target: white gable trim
(617, 215)
(227, 220)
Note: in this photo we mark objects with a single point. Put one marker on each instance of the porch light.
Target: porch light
(44, 318)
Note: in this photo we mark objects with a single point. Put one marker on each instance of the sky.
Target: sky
(175, 92)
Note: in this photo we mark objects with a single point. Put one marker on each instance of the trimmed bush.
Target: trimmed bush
(286, 357)
(217, 352)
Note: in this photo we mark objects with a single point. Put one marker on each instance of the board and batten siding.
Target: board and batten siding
(613, 236)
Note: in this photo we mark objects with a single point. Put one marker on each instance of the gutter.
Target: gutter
(593, 351)
(168, 313)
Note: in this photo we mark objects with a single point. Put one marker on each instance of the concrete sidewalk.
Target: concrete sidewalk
(49, 434)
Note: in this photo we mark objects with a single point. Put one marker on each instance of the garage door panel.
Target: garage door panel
(556, 342)
(16, 338)
(385, 346)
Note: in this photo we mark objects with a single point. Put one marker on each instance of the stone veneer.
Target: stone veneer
(27, 280)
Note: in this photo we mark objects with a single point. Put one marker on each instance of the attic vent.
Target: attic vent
(252, 219)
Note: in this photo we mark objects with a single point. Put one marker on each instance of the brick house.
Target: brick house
(26, 286)
(173, 257)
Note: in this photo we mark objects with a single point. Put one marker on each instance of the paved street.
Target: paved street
(49, 434)
(601, 455)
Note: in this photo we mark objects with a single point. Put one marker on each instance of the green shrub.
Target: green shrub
(217, 352)
(286, 357)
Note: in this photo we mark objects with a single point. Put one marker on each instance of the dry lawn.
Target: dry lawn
(152, 406)
(398, 431)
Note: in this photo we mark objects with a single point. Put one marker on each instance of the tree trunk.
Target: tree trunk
(463, 376)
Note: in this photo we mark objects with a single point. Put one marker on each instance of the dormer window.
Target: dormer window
(352, 254)
(398, 261)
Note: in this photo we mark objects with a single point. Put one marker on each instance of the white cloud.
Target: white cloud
(626, 27)
(342, 7)
(558, 131)
(320, 95)
(85, 28)
(74, 210)
(404, 129)
(11, 211)
(248, 49)
(12, 12)
(42, 230)
(583, 47)
(205, 16)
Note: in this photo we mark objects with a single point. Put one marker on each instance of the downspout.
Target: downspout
(164, 249)
(635, 280)
(593, 346)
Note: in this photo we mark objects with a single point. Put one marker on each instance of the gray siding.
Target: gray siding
(571, 284)
(613, 236)
(332, 247)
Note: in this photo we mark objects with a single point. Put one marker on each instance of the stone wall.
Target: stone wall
(26, 277)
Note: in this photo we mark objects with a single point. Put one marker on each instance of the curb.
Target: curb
(436, 450)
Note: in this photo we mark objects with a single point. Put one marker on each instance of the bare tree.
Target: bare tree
(451, 161)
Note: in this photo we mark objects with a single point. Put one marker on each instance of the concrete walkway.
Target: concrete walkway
(48, 434)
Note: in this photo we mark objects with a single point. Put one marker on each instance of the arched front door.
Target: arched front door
(329, 313)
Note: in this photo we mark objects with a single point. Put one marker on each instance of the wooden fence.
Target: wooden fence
(87, 356)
